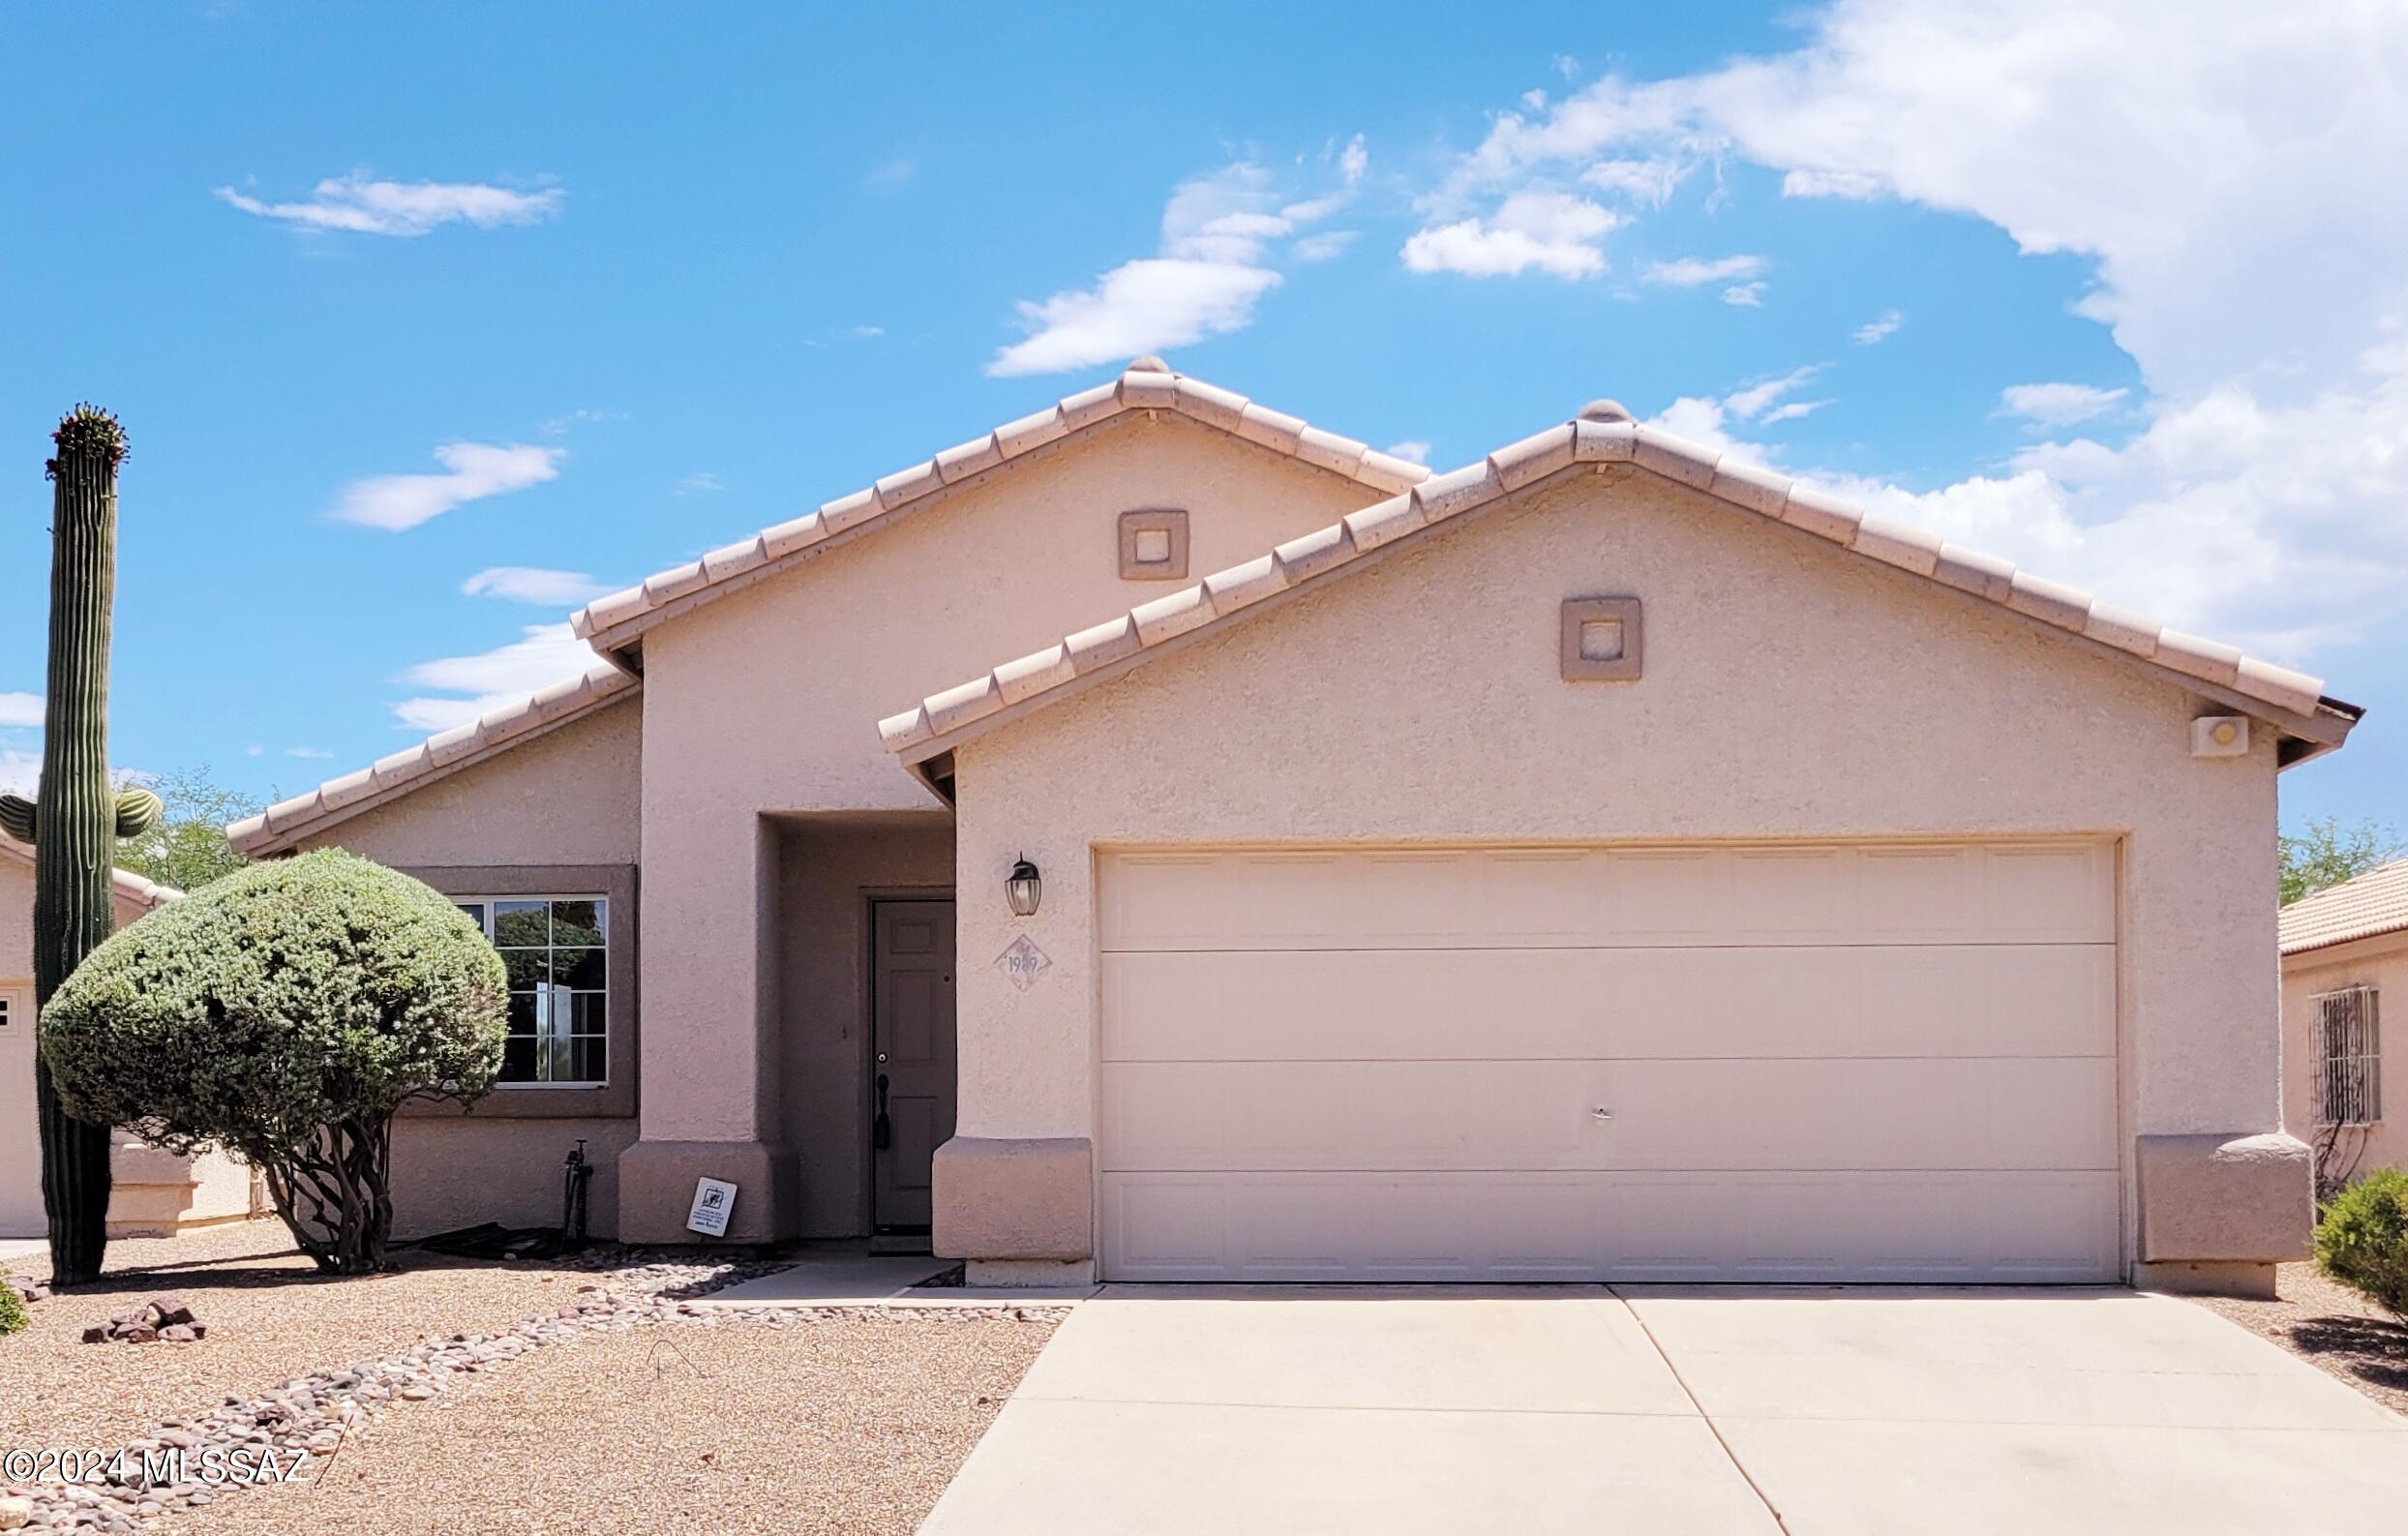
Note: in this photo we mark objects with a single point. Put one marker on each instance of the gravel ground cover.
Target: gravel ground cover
(270, 1316)
(293, 1360)
(722, 1425)
(2332, 1328)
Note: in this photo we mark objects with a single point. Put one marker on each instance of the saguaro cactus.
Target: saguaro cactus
(76, 824)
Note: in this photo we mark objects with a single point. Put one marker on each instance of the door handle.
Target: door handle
(881, 1128)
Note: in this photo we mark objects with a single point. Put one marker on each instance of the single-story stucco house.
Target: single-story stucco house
(156, 1193)
(1608, 860)
(2342, 949)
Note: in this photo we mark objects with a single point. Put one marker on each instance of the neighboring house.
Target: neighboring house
(2342, 949)
(156, 1193)
(1606, 861)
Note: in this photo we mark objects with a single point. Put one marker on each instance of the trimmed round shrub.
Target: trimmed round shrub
(2363, 1239)
(284, 1014)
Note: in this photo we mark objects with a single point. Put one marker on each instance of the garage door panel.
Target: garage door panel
(1457, 897)
(1952, 1000)
(1739, 1114)
(1852, 1062)
(1772, 1227)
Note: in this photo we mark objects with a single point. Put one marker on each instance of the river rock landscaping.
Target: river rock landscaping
(288, 1403)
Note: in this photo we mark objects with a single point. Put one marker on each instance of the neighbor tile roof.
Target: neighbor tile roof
(140, 889)
(2376, 902)
(1602, 433)
(1148, 384)
(285, 822)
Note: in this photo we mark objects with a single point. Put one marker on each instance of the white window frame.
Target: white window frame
(610, 1001)
(2348, 1060)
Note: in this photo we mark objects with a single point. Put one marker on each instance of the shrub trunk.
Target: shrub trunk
(334, 1191)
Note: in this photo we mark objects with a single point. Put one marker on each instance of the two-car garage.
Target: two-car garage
(1855, 1061)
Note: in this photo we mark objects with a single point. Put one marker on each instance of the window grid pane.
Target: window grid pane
(556, 953)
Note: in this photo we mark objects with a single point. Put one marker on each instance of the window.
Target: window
(2349, 1057)
(4, 1010)
(555, 950)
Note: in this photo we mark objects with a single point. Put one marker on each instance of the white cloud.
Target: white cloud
(1649, 181)
(20, 710)
(1745, 295)
(1690, 272)
(1855, 185)
(1874, 332)
(529, 584)
(1753, 402)
(1551, 231)
(20, 771)
(2240, 261)
(544, 654)
(891, 176)
(702, 482)
(1567, 66)
(1217, 238)
(1325, 246)
(1792, 410)
(471, 473)
(866, 333)
(355, 204)
(1354, 159)
(1412, 450)
(312, 753)
(2059, 404)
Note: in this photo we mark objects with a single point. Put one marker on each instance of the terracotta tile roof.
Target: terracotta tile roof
(285, 822)
(1602, 434)
(2374, 903)
(125, 884)
(1148, 384)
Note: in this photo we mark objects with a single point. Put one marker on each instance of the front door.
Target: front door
(912, 1042)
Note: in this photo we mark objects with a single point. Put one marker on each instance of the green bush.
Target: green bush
(13, 1318)
(284, 1014)
(2363, 1239)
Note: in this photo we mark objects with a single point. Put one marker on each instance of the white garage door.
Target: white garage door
(1874, 1062)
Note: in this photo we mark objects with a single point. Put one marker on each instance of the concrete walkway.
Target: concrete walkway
(1813, 1412)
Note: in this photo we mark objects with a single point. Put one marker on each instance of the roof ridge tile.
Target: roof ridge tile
(1528, 462)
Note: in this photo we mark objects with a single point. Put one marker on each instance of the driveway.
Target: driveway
(1702, 1410)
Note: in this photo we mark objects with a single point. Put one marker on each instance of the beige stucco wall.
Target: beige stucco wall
(2382, 964)
(1792, 691)
(768, 701)
(573, 795)
(826, 876)
(454, 1173)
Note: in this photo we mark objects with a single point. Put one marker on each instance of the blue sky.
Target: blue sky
(424, 322)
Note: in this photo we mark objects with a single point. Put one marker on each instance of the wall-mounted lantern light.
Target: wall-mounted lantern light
(1024, 890)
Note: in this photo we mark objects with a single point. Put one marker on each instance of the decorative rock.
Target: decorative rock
(16, 1512)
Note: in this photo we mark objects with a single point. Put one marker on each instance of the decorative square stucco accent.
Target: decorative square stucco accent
(1601, 640)
(1153, 544)
(615, 883)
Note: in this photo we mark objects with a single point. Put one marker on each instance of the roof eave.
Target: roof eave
(1147, 390)
(1585, 445)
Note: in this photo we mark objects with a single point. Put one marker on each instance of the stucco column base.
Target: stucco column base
(656, 1189)
(2225, 1199)
(2253, 1281)
(1014, 1198)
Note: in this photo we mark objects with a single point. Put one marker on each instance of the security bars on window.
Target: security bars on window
(556, 951)
(2349, 1057)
